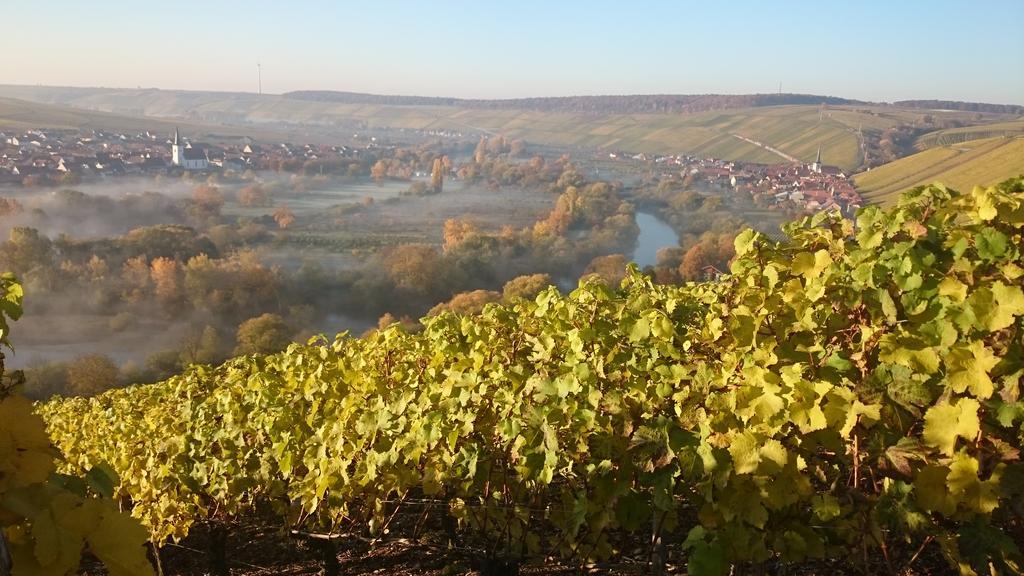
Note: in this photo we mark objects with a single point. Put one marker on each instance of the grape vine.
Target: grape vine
(47, 520)
(853, 390)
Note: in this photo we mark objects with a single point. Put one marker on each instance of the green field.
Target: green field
(960, 166)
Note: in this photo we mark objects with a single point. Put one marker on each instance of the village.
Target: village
(54, 157)
(788, 186)
(64, 157)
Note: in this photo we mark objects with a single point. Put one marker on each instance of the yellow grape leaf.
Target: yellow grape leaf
(26, 456)
(57, 549)
(953, 288)
(943, 423)
(964, 484)
(119, 542)
(969, 367)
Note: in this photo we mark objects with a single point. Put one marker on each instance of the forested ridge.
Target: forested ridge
(851, 393)
(602, 104)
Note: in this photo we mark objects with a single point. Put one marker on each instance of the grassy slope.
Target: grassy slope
(795, 130)
(16, 115)
(959, 166)
(966, 133)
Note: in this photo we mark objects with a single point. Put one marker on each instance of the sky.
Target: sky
(878, 50)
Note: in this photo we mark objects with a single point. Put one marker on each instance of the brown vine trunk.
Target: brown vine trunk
(217, 550)
(154, 553)
(499, 567)
(328, 552)
(658, 556)
(6, 565)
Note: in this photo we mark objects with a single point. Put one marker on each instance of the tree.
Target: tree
(480, 154)
(456, 231)
(264, 334)
(253, 195)
(135, 276)
(610, 268)
(413, 267)
(92, 374)
(208, 197)
(284, 217)
(206, 204)
(25, 250)
(379, 171)
(712, 250)
(525, 286)
(466, 302)
(437, 176)
(167, 281)
(9, 206)
(202, 348)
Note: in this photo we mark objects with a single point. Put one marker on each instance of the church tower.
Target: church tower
(816, 167)
(176, 158)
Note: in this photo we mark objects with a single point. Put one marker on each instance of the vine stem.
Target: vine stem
(156, 558)
(920, 549)
(856, 460)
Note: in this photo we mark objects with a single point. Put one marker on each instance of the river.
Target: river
(655, 234)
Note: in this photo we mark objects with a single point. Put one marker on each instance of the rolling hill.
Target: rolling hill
(986, 161)
(795, 130)
(764, 128)
(18, 114)
(952, 136)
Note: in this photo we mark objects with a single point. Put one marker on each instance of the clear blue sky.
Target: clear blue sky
(868, 49)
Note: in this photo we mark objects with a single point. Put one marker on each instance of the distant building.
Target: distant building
(187, 157)
(816, 167)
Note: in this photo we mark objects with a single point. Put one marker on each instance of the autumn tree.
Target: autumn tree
(97, 267)
(413, 267)
(204, 209)
(610, 268)
(253, 195)
(284, 217)
(713, 250)
(264, 334)
(466, 302)
(437, 176)
(90, 375)
(458, 230)
(167, 281)
(525, 286)
(480, 154)
(379, 170)
(135, 279)
(561, 216)
(208, 197)
(9, 206)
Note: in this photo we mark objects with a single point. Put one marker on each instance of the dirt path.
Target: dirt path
(767, 147)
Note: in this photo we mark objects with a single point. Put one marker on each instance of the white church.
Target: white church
(188, 157)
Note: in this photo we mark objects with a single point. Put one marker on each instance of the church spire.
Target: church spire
(175, 135)
(817, 159)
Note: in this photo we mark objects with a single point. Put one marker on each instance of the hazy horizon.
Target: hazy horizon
(870, 51)
(496, 98)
